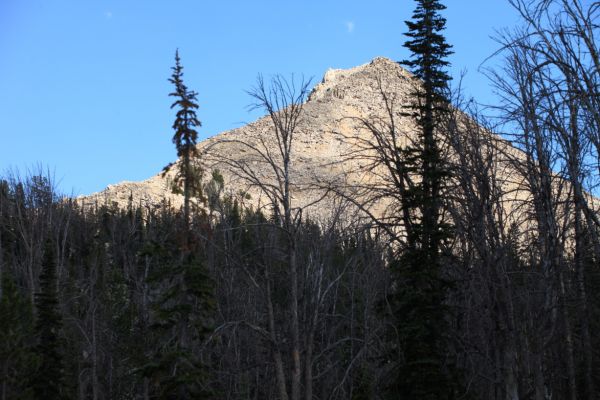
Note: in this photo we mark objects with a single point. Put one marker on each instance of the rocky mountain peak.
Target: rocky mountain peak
(336, 81)
(331, 125)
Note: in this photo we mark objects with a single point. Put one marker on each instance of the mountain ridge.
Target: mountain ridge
(332, 124)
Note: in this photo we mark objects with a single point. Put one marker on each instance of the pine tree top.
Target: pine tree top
(186, 121)
(428, 47)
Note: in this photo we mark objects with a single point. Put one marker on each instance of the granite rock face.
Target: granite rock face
(323, 154)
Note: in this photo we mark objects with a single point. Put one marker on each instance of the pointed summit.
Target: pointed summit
(336, 80)
(332, 116)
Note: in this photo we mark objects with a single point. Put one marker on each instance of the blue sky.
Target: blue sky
(83, 84)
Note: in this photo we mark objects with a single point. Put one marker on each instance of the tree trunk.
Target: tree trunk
(568, 341)
(186, 191)
(297, 365)
(95, 385)
(277, 359)
(510, 375)
(582, 297)
(308, 377)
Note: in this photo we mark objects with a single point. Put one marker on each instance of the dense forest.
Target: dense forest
(451, 298)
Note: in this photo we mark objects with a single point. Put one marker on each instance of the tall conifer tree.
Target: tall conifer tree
(48, 380)
(429, 51)
(185, 303)
(422, 371)
(185, 137)
(15, 340)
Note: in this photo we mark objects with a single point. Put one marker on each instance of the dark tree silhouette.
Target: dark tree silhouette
(48, 380)
(419, 293)
(15, 340)
(186, 122)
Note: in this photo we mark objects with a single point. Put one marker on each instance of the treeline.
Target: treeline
(107, 277)
(481, 283)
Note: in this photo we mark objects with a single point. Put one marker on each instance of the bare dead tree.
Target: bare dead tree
(269, 172)
(481, 223)
(556, 58)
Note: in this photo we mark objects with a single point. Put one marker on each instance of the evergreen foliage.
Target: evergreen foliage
(188, 176)
(183, 315)
(184, 303)
(418, 298)
(429, 51)
(48, 380)
(16, 335)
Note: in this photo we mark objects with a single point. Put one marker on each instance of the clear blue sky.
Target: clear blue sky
(83, 84)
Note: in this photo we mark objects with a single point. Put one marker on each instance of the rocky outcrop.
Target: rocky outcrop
(326, 137)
